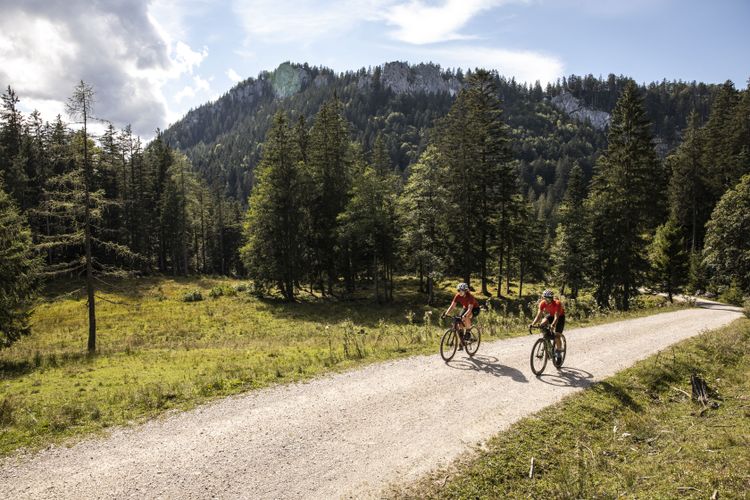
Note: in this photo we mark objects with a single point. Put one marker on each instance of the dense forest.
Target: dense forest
(307, 180)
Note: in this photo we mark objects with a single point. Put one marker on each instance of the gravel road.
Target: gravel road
(343, 435)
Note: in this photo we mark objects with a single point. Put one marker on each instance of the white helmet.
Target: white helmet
(463, 287)
(547, 294)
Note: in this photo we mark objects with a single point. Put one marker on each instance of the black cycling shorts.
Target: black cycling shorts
(560, 322)
(474, 312)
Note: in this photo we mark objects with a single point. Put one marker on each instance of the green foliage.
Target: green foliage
(727, 251)
(193, 296)
(623, 203)
(19, 272)
(423, 209)
(273, 225)
(669, 261)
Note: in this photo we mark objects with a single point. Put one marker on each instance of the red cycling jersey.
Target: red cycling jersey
(465, 300)
(552, 308)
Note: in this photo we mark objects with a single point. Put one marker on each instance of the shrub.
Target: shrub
(746, 308)
(732, 295)
(194, 296)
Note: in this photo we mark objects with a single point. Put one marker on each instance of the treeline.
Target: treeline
(76, 205)
(323, 212)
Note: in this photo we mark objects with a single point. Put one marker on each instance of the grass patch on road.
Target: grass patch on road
(157, 351)
(637, 434)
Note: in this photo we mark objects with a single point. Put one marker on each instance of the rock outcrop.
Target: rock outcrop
(576, 109)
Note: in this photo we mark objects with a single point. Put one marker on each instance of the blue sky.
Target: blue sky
(152, 61)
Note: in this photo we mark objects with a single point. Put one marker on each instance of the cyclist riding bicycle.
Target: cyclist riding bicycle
(470, 307)
(554, 313)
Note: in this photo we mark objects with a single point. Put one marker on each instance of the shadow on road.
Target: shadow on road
(568, 377)
(488, 364)
(715, 306)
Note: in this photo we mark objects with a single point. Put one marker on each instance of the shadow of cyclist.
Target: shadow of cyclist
(488, 364)
(568, 377)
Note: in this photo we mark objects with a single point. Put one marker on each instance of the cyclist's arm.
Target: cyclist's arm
(450, 308)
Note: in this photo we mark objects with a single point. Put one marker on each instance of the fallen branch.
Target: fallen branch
(531, 470)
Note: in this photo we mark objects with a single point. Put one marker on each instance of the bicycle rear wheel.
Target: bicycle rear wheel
(564, 345)
(538, 358)
(474, 339)
(448, 344)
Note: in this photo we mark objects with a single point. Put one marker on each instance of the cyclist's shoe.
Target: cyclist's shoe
(558, 358)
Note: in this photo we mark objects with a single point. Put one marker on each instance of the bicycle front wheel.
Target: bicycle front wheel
(474, 338)
(538, 359)
(448, 344)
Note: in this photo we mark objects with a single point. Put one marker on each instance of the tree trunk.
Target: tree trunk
(87, 240)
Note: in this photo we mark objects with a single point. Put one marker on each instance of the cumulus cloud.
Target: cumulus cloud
(525, 66)
(418, 22)
(47, 47)
(233, 75)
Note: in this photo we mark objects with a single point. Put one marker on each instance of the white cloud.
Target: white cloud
(302, 21)
(420, 23)
(525, 66)
(47, 47)
(233, 75)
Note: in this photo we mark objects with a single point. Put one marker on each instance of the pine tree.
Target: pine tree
(19, 271)
(423, 209)
(273, 224)
(669, 261)
(624, 201)
(727, 252)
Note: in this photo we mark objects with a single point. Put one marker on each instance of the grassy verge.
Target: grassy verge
(637, 434)
(157, 352)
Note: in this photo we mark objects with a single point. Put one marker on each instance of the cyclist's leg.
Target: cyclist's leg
(559, 327)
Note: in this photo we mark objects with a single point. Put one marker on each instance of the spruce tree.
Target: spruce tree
(19, 271)
(570, 250)
(273, 224)
(624, 204)
(424, 208)
(328, 171)
(474, 142)
(669, 261)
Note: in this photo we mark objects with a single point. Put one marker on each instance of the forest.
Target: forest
(344, 185)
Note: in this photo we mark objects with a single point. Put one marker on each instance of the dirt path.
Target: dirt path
(345, 435)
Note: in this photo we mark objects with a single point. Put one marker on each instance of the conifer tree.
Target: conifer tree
(669, 261)
(273, 224)
(19, 271)
(473, 141)
(423, 209)
(328, 170)
(689, 197)
(570, 250)
(11, 134)
(624, 204)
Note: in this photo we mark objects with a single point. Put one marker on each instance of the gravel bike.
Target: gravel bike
(544, 349)
(455, 335)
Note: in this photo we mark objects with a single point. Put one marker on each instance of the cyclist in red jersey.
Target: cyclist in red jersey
(469, 303)
(554, 313)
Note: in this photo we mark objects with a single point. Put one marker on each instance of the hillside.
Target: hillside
(552, 127)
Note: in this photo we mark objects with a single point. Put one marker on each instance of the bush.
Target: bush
(581, 308)
(194, 296)
(746, 308)
(732, 295)
(242, 287)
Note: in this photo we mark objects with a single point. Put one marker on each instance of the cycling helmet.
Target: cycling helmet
(547, 294)
(463, 287)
